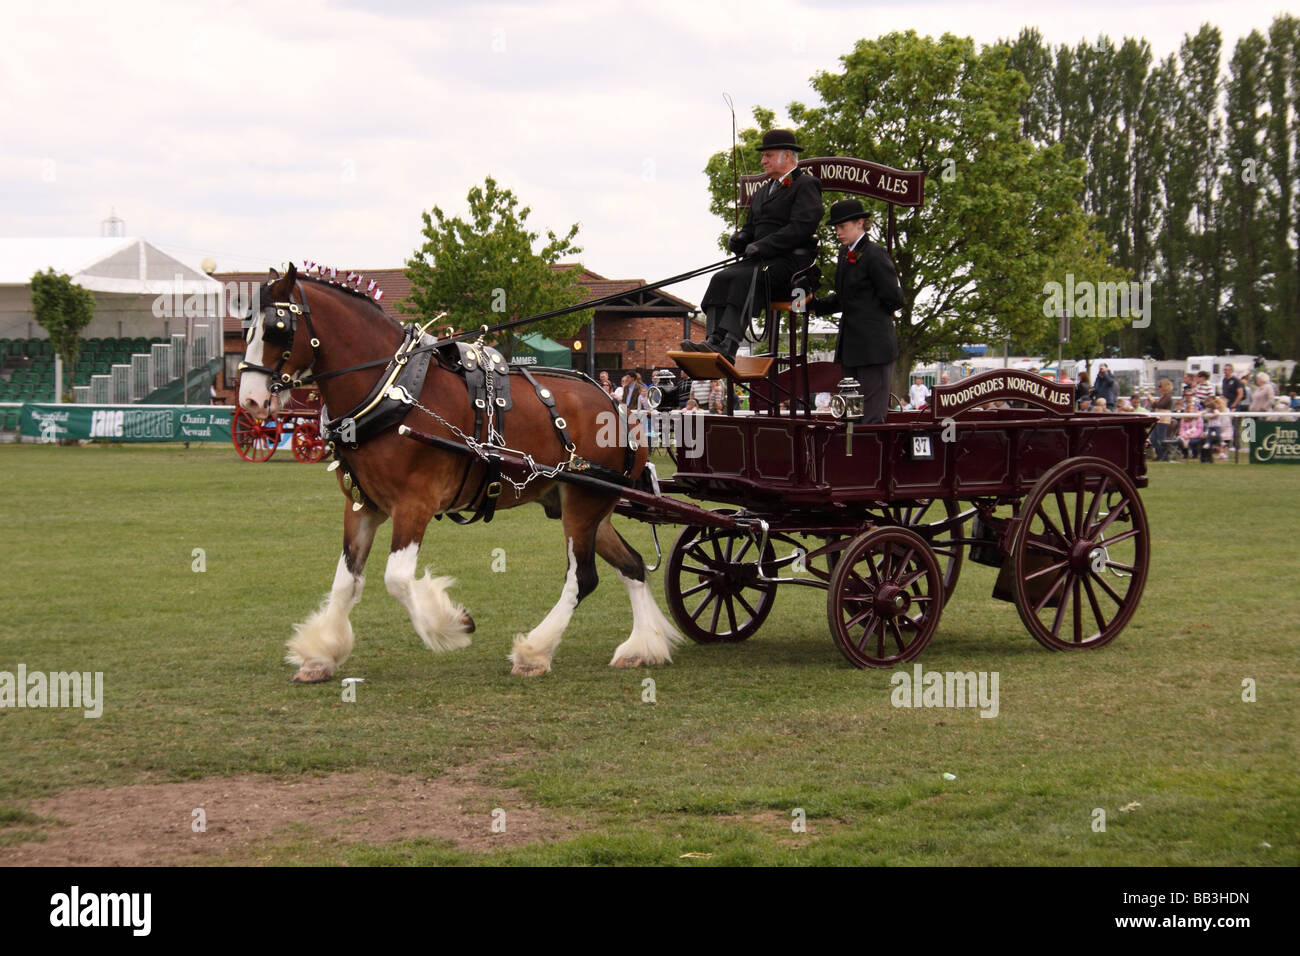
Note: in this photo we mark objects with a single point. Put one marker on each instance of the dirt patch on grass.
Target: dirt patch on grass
(152, 824)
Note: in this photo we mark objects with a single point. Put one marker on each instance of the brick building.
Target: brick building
(634, 332)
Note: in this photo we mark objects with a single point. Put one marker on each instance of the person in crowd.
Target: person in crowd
(700, 389)
(1234, 395)
(1162, 406)
(1189, 382)
(630, 392)
(718, 397)
(1191, 430)
(693, 406)
(1203, 389)
(1124, 404)
(1261, 400)
(943, 379)
(1295, 400)
(918, 393)
(1082, 391)
(1105, 386)
(1085, 404)
(1218, 426)
(1099, 404)
(605, 383)
(779, 238)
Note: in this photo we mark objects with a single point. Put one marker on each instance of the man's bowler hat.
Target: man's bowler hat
(779, 139)
(846, 210)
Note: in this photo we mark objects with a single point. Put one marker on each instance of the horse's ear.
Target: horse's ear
(273, 276)
(292, 273)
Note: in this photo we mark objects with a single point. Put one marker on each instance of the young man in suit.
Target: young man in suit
(779, 238)
(868, 294)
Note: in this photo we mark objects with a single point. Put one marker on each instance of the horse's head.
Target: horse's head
(277, 355)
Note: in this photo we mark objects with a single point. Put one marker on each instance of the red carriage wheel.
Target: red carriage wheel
(885, 598)
(923, 517)
(1080, 555)
(712, 584)
(308, 447)
(254, 440)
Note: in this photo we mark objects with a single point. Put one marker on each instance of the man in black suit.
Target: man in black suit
(779, 238)
(868, 294)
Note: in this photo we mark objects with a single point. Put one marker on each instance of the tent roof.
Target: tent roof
(118, 264)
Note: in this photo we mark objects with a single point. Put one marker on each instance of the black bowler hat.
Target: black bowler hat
(846, 210)
(779, 139)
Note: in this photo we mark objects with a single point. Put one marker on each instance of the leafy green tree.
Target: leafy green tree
(1001, 216)
(1245, 228)
(1283, 84)
(486, 270)
(62, 309)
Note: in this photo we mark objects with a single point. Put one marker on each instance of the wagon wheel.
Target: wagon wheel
(307, 444)
(712, 585)
(254, 440)
(922, 518)
(885, 598)
(1080, 555)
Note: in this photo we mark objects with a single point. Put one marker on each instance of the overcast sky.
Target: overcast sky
(256, 133)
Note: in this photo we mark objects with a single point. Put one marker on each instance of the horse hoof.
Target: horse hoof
(529, 670)
(311, 675)
(467, 621)
(633, 661)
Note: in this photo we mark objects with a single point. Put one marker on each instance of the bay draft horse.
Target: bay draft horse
(411, 482)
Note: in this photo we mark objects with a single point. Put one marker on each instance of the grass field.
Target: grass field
(98, 557)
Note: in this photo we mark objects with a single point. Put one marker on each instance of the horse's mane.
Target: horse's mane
(326, 283)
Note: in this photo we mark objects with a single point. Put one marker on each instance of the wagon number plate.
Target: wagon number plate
(922, 450)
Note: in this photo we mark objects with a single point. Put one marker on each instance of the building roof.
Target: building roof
(118, 264)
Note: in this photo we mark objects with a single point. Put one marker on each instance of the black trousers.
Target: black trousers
(731, 285)
(874, 381)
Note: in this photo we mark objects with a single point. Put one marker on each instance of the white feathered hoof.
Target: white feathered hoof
(312, 675)
(528, 661)
(634, 660)
(467, 621)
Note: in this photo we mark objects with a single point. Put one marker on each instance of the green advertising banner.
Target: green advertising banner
(1275, 442)
(127, 422)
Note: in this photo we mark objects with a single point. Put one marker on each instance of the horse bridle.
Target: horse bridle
(278, 332)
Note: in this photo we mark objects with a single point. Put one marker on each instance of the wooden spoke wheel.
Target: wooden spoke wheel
(308, 446)
(1080, 555)
(254, 440)
(923, 517)
(885, 598)
(712, 585)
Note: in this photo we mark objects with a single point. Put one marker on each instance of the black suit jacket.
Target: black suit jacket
(783, 220)
(868, 294)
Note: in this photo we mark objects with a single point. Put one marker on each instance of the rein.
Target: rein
(285, 324)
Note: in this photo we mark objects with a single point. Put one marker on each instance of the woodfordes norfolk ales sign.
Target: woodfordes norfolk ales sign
(902, 187)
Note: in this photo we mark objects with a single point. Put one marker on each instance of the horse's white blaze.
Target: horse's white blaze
(653, 635)
(254, 386)
(437, 619)
(538, 647)
(324, 640)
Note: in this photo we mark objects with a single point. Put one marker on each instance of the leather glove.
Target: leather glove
(816, 305)
(737, 243)
(751, 250)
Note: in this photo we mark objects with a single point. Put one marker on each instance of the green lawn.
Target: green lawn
(98, 549)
